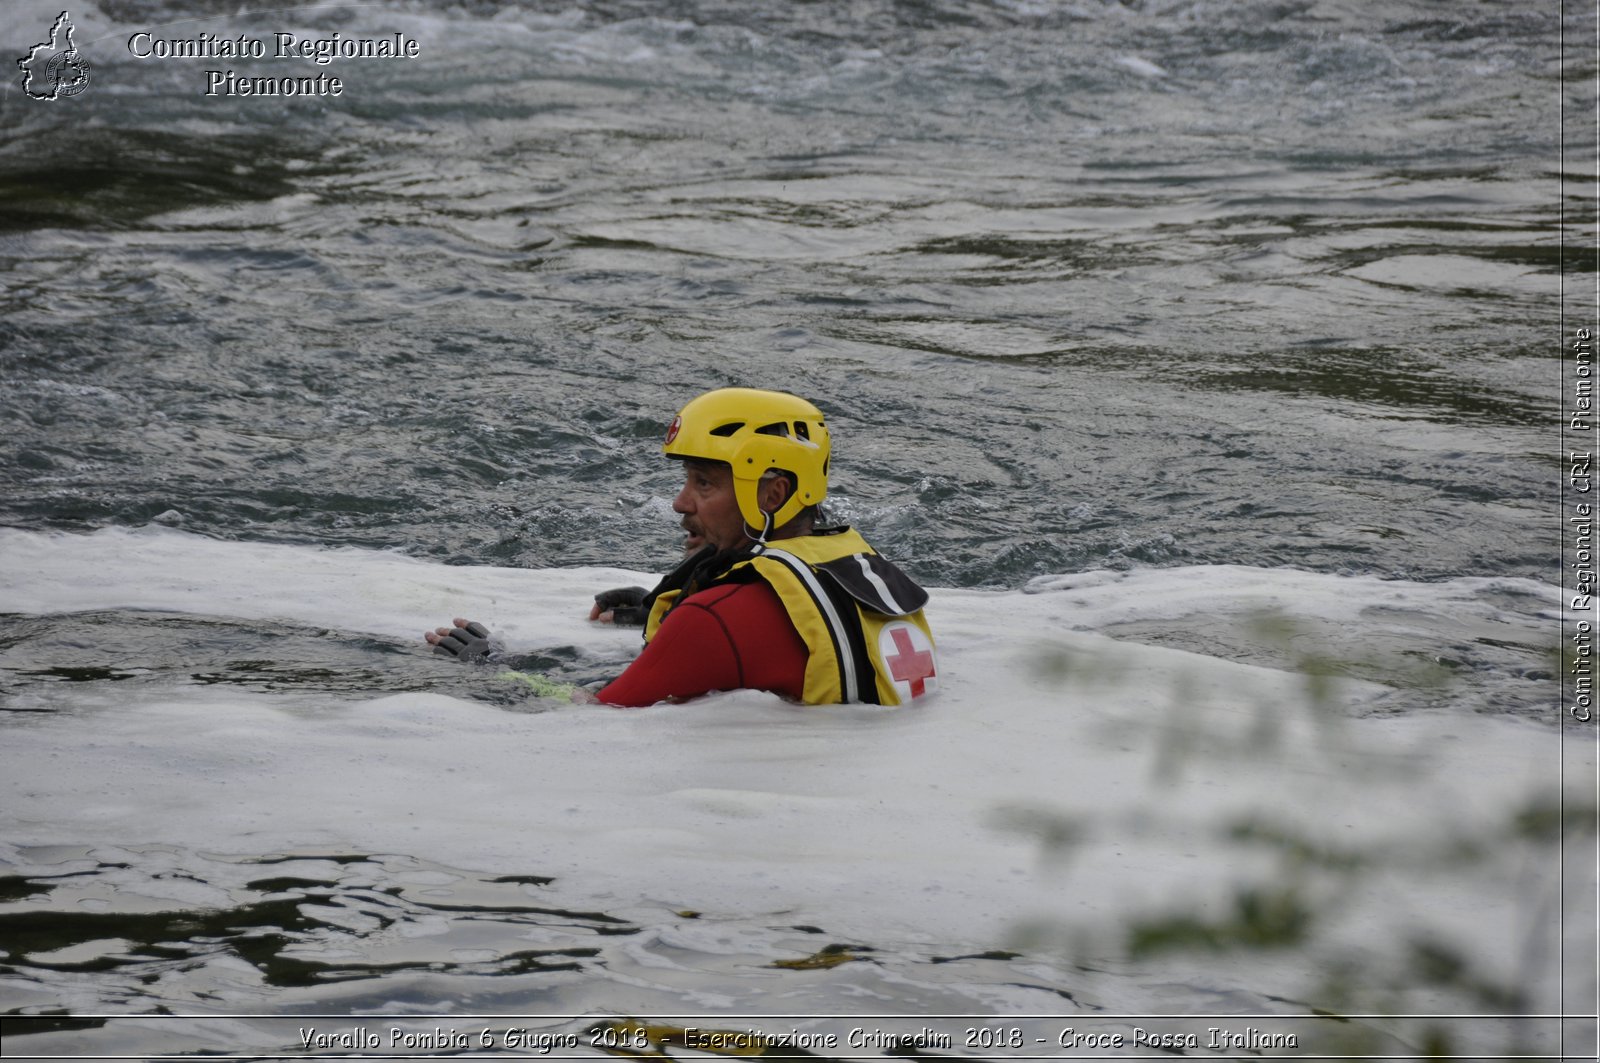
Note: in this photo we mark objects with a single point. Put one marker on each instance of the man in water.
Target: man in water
(766, 599)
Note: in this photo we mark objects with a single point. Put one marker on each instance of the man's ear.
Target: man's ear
(775, 491)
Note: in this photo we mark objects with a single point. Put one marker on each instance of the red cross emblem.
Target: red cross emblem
(910, 665)
(672, 429)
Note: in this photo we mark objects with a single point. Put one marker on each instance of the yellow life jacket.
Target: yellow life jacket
(859, 616)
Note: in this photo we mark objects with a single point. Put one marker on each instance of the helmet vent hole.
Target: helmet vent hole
(801, 430)
(776, 429)
(727, 429)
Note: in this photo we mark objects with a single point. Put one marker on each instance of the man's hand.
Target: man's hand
(467, 641)
(624, 605)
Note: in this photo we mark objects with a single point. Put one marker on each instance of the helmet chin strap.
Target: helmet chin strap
(766, 530)
(767, 518)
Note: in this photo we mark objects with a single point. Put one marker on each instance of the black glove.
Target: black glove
(470, 643)
(627, 605)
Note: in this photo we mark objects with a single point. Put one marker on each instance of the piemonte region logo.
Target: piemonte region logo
(55, 69)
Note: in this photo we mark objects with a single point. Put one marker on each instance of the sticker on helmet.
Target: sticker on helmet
(907, 653)
(672, 430)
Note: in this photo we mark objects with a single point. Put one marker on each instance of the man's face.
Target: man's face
(710, 512)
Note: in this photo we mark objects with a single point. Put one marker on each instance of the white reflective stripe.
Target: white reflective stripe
(883, 588)
(841, 635)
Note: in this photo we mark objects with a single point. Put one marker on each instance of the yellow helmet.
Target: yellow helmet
(753, 431)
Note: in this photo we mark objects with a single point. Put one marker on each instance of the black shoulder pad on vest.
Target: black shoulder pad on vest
(876, 583)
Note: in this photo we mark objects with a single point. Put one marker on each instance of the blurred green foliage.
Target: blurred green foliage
(1292, 884)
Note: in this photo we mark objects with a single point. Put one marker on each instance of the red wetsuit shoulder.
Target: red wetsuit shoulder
(730, 637)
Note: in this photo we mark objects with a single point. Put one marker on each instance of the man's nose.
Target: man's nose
(681, 504)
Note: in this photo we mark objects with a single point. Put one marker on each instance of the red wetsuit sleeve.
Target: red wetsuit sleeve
(736, 636)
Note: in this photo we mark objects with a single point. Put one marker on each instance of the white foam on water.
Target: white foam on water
(1141, 66)
(913, 825)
